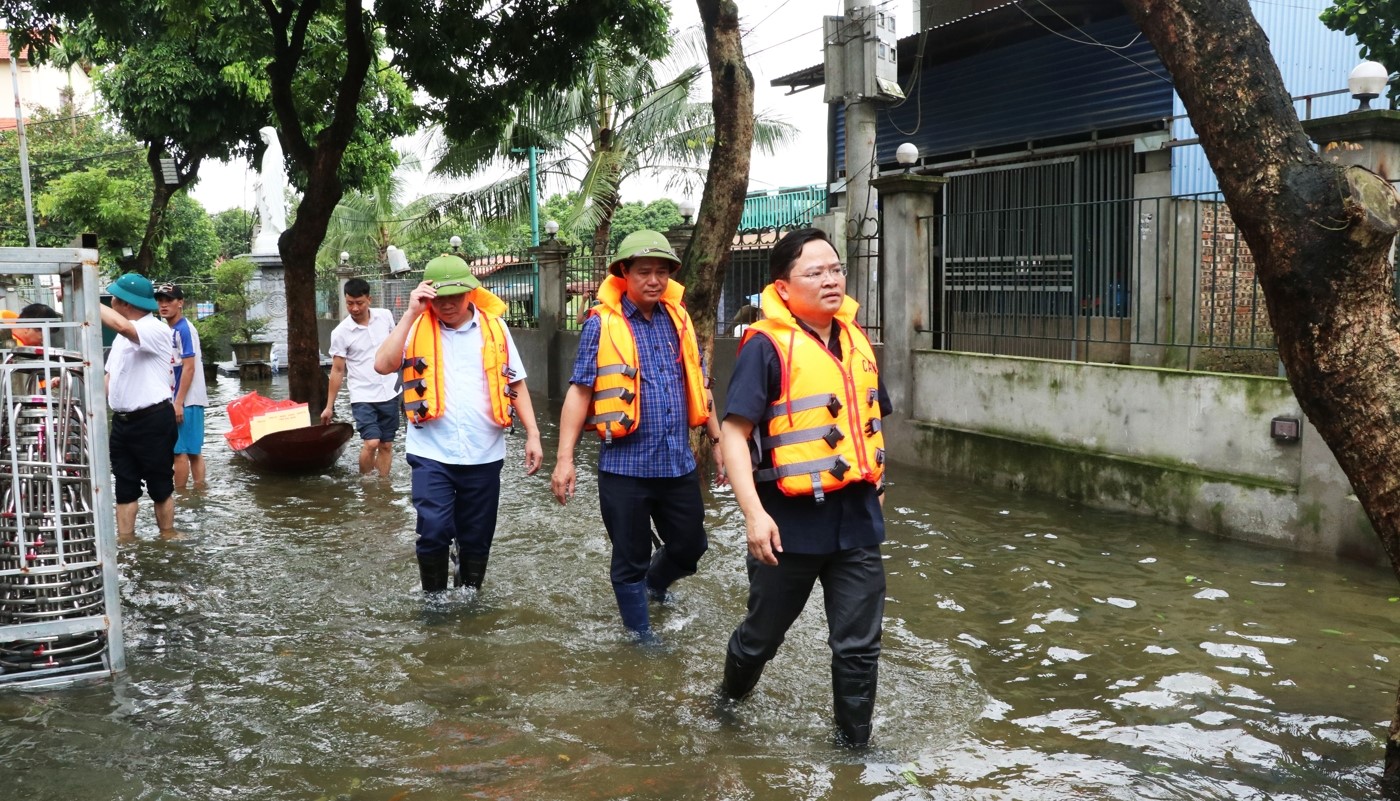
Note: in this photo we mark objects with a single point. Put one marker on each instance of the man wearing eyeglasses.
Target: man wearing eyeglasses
(638, 382)
(807, 398)
(463, 386)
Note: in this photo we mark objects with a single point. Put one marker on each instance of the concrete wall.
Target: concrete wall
(1192, 448)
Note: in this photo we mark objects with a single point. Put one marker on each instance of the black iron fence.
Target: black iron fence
(1163, 281)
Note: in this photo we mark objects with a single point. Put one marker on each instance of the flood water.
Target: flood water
(1032, 650)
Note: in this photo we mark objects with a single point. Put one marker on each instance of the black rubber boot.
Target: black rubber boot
(661, 574)
(471, 573)
(739, 679)
(432, 570)
(853, 699)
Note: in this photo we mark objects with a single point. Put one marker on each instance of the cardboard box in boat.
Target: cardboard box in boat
(298, 416)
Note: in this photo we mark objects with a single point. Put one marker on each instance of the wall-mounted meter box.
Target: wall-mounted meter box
(861, 57)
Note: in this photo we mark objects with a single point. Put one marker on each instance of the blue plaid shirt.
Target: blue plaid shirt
(660, 447)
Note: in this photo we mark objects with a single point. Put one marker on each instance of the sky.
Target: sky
(780, 37)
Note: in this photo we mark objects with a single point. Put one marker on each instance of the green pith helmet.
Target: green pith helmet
(639, 244)
(450, 275)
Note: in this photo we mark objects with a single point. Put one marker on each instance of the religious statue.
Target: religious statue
(271, 194)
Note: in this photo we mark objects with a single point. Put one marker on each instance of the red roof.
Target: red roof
(486, 265)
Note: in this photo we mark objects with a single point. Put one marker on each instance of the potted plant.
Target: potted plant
(231, 322)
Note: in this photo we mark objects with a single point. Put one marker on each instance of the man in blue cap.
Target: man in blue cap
(140, 379)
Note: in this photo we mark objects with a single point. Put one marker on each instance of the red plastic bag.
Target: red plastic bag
(243, 409)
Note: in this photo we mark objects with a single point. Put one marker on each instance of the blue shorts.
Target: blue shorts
(191, 439)
(376, 420)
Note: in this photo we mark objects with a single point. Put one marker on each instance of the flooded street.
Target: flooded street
(1033, 650)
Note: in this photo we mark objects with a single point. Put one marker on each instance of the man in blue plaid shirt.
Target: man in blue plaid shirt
(639, 383)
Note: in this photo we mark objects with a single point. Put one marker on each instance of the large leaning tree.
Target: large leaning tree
(727, 182)
(1321, 237)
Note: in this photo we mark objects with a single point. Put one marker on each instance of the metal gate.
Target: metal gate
(60, 615)
(1035, 256)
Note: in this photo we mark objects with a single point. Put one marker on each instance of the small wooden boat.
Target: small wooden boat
(310, 449)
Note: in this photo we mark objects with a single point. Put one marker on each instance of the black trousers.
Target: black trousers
(630, 506)
(853, 591)
(141, 448)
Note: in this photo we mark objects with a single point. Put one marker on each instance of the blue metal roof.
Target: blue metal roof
(1312, 59)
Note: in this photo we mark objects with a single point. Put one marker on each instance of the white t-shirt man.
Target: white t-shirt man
(357, 344)
(141, 374)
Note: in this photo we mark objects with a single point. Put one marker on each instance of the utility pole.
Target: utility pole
(861, 71)
(23, 144)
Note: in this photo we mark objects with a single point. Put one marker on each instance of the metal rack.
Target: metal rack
(60, 615)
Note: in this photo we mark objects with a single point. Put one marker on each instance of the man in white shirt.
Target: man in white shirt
(464, 384)
(140, 379)
(374, 398)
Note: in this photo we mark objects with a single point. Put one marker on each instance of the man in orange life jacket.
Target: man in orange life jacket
(806, 393)
(639, 384)
(463, 384)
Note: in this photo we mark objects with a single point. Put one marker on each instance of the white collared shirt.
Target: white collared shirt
(465, 433)
(357, 344)
(141, 373)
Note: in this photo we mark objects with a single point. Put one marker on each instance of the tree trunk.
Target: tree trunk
(607, 204)
(321, 163)
(160, 201)
(727, 181)
(1320, 235)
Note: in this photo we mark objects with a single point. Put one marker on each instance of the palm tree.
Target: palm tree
(615, 123)
(365, 224)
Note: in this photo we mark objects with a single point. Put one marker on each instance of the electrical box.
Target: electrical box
(861, 57)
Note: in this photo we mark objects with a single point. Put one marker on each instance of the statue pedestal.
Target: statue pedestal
(269, 284)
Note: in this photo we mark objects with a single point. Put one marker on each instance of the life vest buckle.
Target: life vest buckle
(630, 371)
(879, 456)
(839, 469)
(507, 372)
(510, 393)
(626, 422)
(834, 406)
(872, 426)
(627, 396)
(871, 397)
(416, 363)
(832, 437)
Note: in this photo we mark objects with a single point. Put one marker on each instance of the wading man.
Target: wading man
(463, 385)
(374, 398)
(140, 378)
(639, 384)
(807, 399)
(191, 393)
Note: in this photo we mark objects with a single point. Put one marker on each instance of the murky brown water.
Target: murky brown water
(1033, 650)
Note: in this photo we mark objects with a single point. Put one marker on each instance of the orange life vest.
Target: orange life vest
(823, 431)
(424, 393)
(617, 405)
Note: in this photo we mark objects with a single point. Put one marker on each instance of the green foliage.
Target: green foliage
(234, 228)
(191, 247)
(94, 200)
(657, 215)
(1376, 26)
(232, 300)
(59, 144)
(614, 122)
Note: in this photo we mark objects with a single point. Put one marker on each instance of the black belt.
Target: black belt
(144, 411)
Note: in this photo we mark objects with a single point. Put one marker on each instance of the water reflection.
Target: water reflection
(1033, 650)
